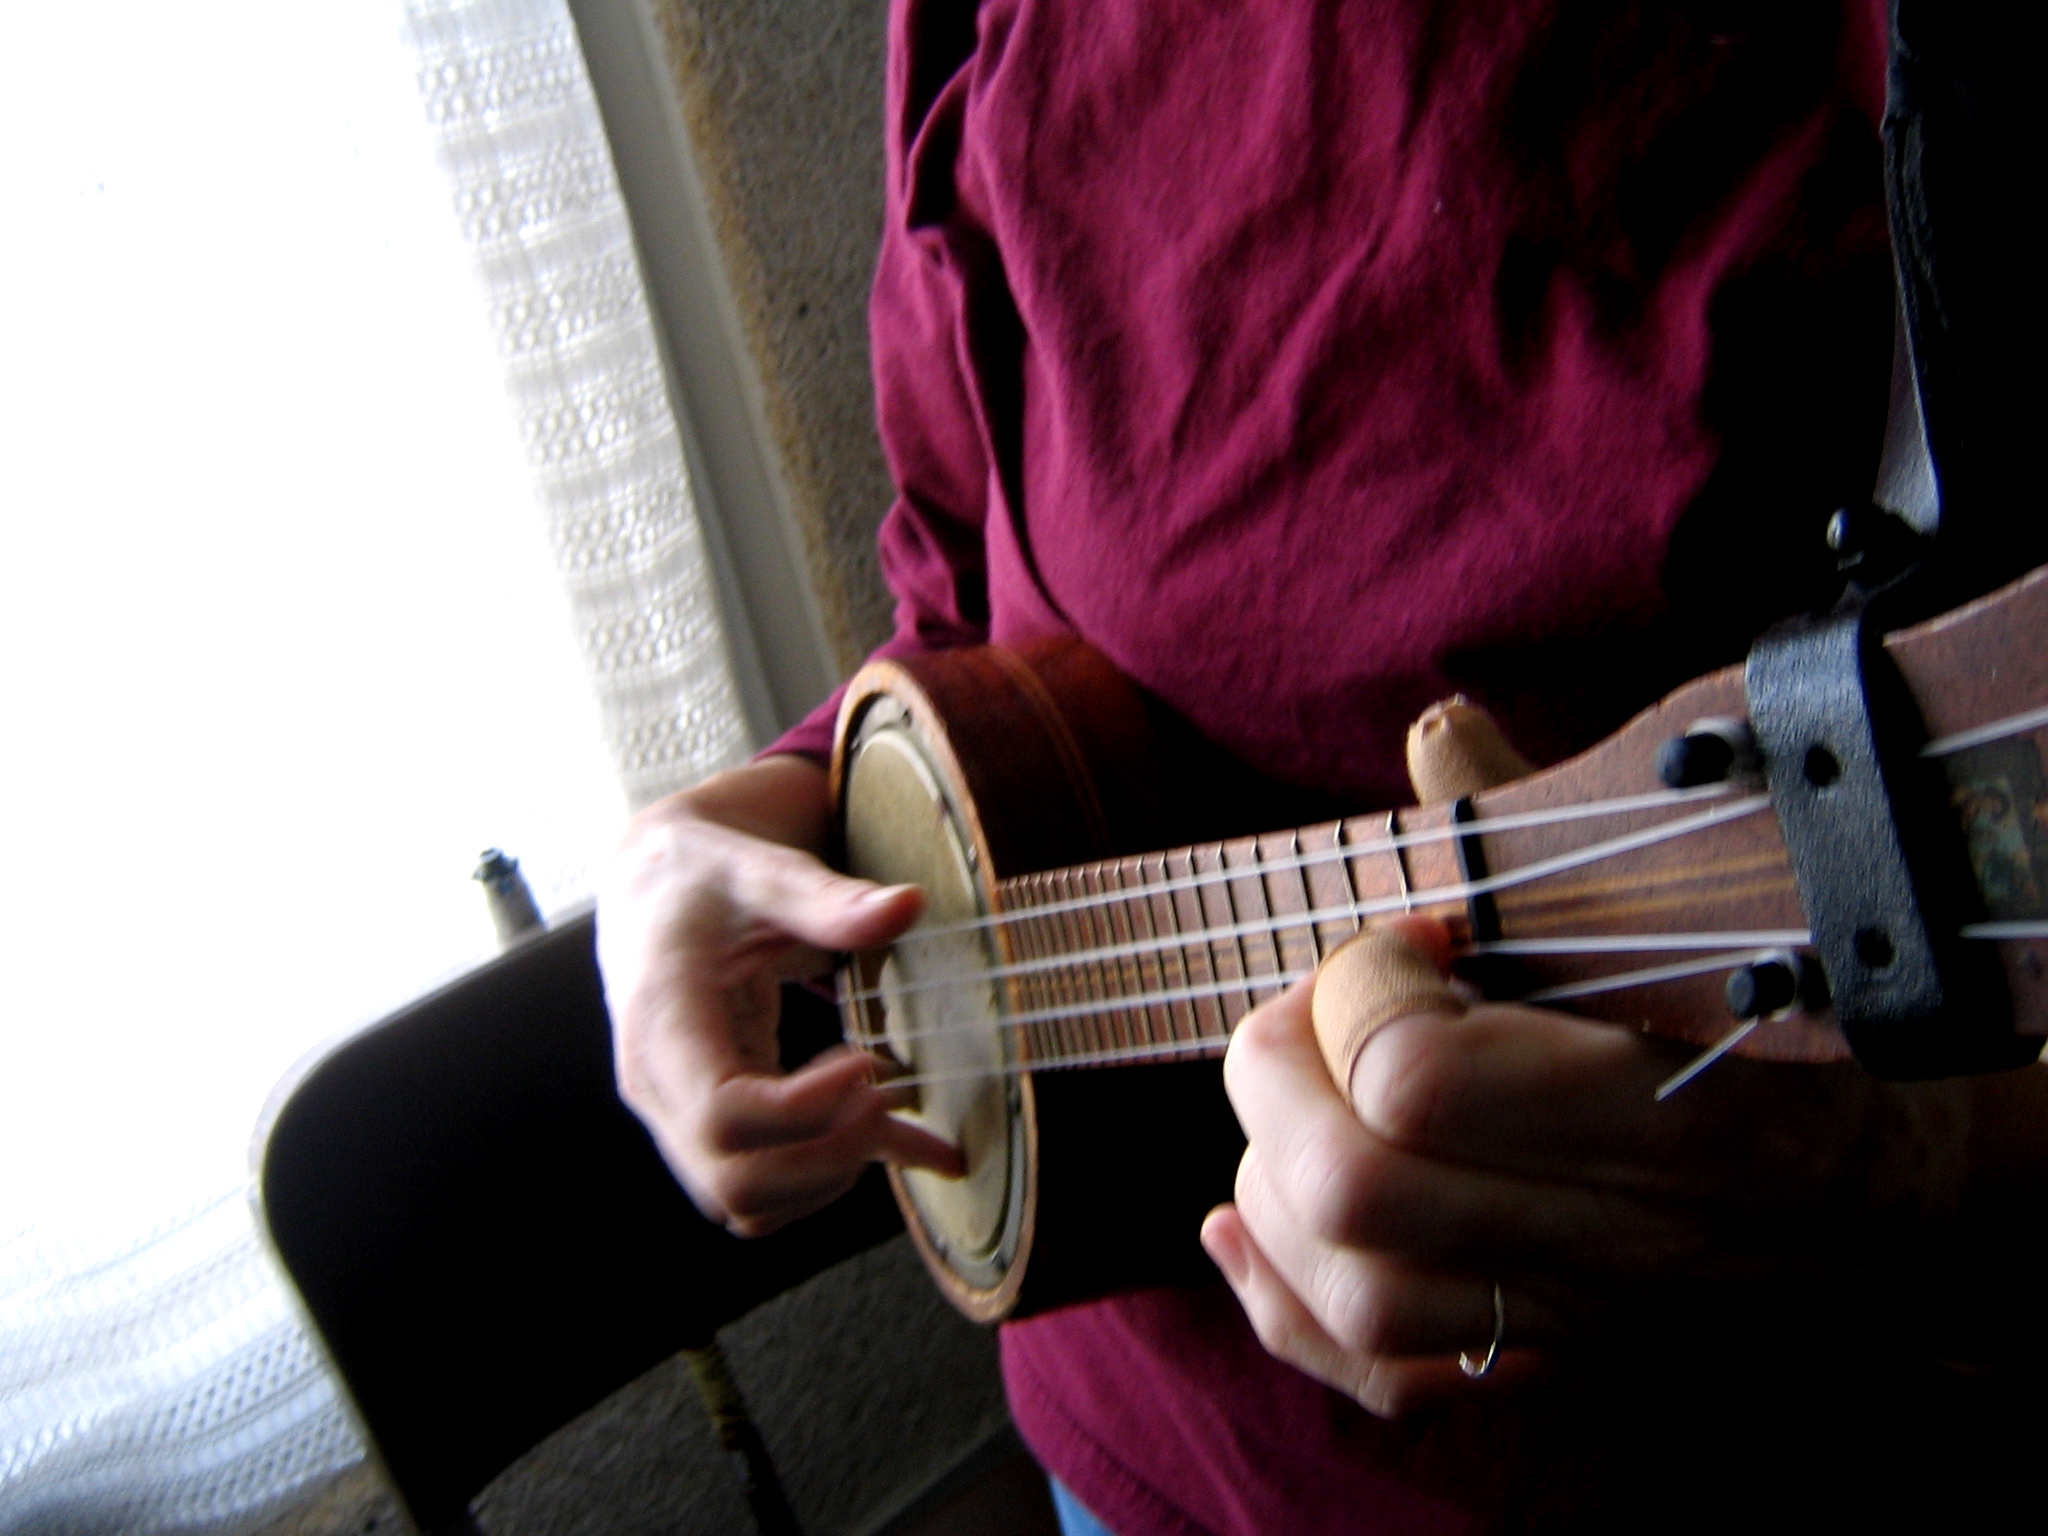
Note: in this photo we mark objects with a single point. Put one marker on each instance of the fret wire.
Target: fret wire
(1263, 885)
(1032, 939)
(1158, 1021)
(1513, 821)
(1536, 869)
(1116, 914)
(1281, 981)
(1016, 944)
(1102, 1028)
(1313, 937)
(1050, 1041)
(1342, 871)
(1179, 1017)
(1141, 1018)
(1253, 901)
(1162, 963)
(1262, 892)
(1267, 941)
(1400, 854)
(1730, 949)
(1137, 1026)
(1207, 1011)
(1282, 939)
(1113, 1017)
(1073, 920)
(1344, 863)
(1210, 903)
(1308, 899)
(1244, 962)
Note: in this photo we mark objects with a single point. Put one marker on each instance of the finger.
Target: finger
(790, 894)
(751, 1111)
(1455, 749)
(1282, 1323)
(1350, 1186)
(1403, 1387)
(757, 1191)
(760, 1192)
(1373, 1303)
(1382, 1385)
(1537, 1094)
(834, 1095)
(1375, 978)
(910, 1145)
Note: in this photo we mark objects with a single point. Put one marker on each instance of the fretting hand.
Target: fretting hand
(1408, 1153)
(717, 895)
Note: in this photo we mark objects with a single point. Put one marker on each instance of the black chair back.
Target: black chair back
(486, 1239)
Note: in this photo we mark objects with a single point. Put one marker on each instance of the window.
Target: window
(286, 644)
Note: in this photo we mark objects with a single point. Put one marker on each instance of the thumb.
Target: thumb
(799, 895)
(1380, 976)
(1455, 749)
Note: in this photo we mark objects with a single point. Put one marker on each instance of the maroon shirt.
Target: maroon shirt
(1315, 360)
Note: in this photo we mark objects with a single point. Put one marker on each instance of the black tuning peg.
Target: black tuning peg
(1872, 544)
(1709, 752)
(1766, 987)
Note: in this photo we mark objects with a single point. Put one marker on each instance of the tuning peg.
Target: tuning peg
(1709, 752)
(1770, 986)
(1872, 544)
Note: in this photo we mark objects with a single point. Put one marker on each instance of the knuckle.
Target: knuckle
(750, 1226)
(640, 1090)
(1364, 1314)
(723, 1134)
(1346, 1198)
(1274, 1324)
(738, 1197)
(1254, 1039)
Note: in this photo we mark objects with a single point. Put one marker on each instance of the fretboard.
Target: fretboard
(1170, 950)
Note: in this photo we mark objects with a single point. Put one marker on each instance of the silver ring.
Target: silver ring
(1478, 1368)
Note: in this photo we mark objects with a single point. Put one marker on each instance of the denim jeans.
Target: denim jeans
(1074, 1517)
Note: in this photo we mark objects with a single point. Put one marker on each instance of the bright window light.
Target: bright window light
(283, 646)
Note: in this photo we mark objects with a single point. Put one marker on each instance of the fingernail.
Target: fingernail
(884, 895)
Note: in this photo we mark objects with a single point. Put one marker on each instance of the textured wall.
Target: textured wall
(783, 99)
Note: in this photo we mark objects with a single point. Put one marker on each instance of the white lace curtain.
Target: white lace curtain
(506, 88)
(164, 1382)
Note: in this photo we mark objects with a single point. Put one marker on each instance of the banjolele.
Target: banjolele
(1017, 789)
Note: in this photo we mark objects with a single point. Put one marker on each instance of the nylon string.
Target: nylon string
(1354, 912)
(1735, 949)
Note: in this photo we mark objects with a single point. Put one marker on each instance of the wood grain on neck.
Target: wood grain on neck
(1965, 669)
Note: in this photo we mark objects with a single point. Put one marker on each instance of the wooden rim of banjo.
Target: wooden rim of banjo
(895, 716)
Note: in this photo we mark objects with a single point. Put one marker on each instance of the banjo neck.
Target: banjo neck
(1589, 885)
(1020, 790)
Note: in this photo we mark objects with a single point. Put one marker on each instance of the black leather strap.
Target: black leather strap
(1963, 173)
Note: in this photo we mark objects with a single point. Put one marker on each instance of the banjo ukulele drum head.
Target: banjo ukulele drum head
(937, 1009)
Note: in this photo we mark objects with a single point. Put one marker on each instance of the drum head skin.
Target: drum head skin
(938, 1009)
